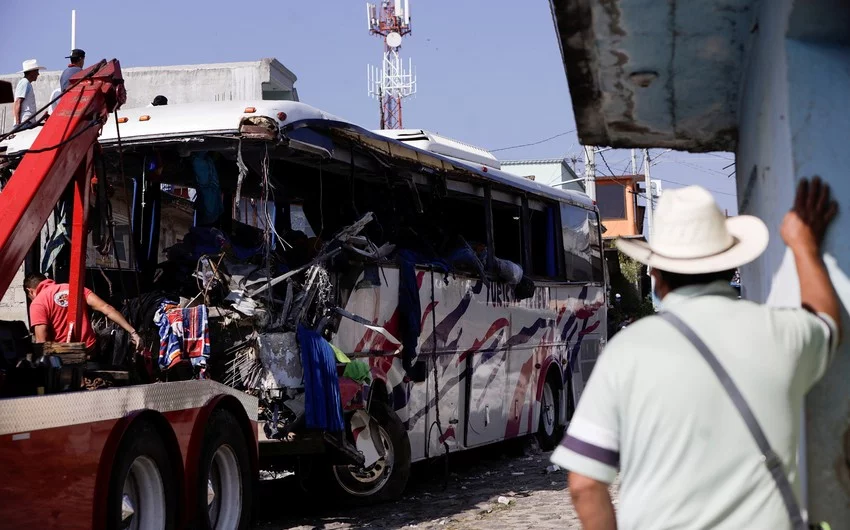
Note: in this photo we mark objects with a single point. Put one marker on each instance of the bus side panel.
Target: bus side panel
(586, 338)
(457, 321)
(559, 322)
(379, 305)
(486, 339)
(533, 340)
(486, 359)
(463, 323)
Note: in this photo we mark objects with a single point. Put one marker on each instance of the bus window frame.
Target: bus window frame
(560, 276)
(602, 280)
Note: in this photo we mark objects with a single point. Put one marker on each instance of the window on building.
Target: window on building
(611, 199)
(582, 244)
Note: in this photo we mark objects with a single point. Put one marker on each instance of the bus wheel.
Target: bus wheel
(141, 489)
(385, 479)
(224, 477)
(550, 431)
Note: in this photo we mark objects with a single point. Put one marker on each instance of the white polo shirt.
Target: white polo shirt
(654, 409)
(24, 91)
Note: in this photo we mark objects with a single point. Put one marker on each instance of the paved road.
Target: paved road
(536, 499)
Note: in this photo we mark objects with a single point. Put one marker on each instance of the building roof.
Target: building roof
(538, 161)
(655, 74)
(636, 178)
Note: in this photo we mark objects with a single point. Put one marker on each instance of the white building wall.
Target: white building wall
(548, 173)
(13, 305)
(794, 123)
(263, 79)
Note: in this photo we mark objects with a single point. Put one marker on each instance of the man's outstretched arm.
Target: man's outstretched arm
(804, 229)
(592, 502)
(99, 304)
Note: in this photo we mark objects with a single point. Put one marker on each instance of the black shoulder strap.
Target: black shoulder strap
(770, 458)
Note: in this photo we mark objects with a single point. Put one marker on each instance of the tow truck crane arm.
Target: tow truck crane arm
(63, 152)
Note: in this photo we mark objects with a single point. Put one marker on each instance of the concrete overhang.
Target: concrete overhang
(646, 73)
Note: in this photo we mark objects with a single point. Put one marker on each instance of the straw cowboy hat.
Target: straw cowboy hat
(29, 65)
(692, 236)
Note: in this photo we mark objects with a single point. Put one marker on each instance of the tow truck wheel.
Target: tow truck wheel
(385, 480)
(550, 431)
(224, 478)
(141, 488)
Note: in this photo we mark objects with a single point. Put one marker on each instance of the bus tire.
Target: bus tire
(386, 479)
(224, 486)
(550, 431)
(142, 489)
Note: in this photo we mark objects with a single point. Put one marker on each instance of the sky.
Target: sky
(489, 72)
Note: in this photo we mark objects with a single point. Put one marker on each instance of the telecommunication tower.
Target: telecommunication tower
(390, 83)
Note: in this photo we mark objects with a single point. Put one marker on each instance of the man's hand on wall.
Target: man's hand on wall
(804, 227)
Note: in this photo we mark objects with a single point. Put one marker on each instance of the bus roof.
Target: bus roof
(223, 118)
(186, 119)
(382, 142)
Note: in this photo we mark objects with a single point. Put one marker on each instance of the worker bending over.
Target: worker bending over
(49, 313)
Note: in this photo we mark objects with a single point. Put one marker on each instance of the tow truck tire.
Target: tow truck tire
(385, 480)
(142, 490)
(224, 487)
(550, 430)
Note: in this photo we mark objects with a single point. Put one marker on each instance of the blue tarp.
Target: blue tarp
(321, 383)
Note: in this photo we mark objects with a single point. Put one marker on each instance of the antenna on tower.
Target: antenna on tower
(391, 82)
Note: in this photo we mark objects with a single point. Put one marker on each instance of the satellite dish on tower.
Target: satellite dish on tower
(393, 39)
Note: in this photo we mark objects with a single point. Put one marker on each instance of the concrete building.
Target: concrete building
(617, 199)
(263, 79)
(767, 80)
(553, 172)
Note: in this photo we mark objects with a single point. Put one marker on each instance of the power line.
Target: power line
(533, 143)
(698, 168)
(683, 184)
(611, 171)
(719, 156)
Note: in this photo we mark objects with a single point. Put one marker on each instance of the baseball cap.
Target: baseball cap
(76, 53)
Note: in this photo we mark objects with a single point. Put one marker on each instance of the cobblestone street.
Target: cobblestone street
(530, 497)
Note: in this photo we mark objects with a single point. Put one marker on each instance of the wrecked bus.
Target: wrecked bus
(387, 296)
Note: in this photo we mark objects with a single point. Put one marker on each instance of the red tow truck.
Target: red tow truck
(165, 455)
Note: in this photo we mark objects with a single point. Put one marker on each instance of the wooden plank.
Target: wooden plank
(69, 352)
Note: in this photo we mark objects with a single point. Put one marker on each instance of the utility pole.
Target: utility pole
(649, 193)
(590, 171)
(634, 162)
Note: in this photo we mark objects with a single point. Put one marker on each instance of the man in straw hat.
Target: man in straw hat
(658, 410)
(23, 109)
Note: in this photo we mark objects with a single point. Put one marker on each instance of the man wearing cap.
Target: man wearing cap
(24, 109)
(658, 410)
(78, 59)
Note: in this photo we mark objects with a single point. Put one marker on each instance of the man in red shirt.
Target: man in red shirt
(49, 313)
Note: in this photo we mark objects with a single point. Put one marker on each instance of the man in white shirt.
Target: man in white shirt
(24, 107)
(654, 410)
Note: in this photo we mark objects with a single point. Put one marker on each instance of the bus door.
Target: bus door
(444, 321)
(486, 364)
